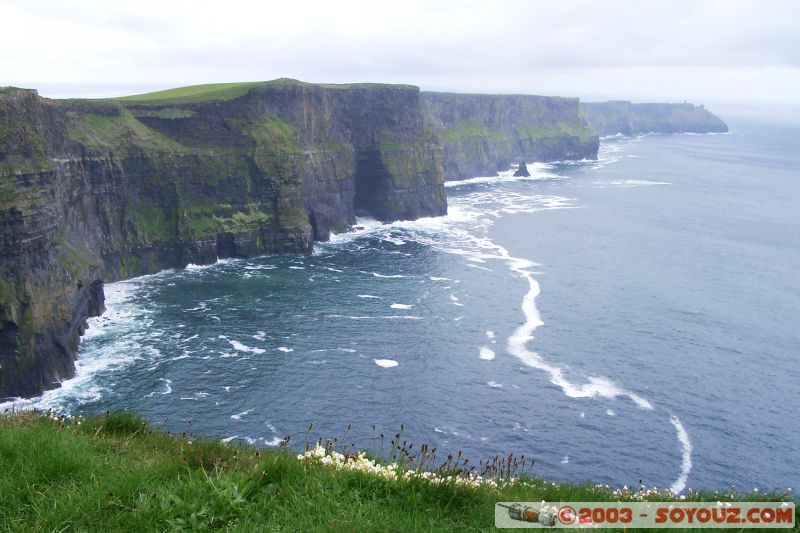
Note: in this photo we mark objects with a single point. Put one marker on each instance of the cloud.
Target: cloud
(175, 42)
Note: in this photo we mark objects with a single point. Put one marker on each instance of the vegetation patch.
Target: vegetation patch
(166, 113)
(467, 130)
(115, 473)
(560, 129)
(153, 223)
(209, 219)
(75, 258)
(117, 131)
(193, 93)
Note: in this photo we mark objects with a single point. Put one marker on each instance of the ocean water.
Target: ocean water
(631, 318)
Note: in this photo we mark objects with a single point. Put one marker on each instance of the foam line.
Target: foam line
(595, 386)
(686, 464)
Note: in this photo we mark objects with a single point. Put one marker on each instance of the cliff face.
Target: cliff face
(610, 118)
(482, 134)
(95, 191)
(101, 190)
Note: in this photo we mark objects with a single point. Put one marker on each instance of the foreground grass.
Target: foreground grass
(115, 474)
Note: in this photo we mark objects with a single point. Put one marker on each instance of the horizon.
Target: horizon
(711, 53)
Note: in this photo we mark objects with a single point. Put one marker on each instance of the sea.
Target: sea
(634, 319)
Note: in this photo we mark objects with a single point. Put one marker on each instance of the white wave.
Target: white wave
(629, 183)
(238, 346)
(124, 330)
(284, 349)
(363, 226)
(610, 412)
(167, 388)
(386, 363)
(377, 275)
(369, 296)
(436, 278)
(401, 306)
(494, 384)
(538, 171)
(686, 462)
(393, 240)
(228, 439)
(238, 416)
(487, 354)
(595, 386)
(384, 317)
(260, 335)
(260, 267)
(197, 396)
(490, 335)
(565, 460)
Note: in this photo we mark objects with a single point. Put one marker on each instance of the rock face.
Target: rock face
(610, 118)
(101, 190)
(522, 170)
(94, 191)
(482, 134)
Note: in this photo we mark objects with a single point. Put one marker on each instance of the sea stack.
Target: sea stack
(522, 170)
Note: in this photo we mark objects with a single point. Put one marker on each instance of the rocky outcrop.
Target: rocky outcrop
(482, 134)
(93, 191)
(522, 171)
(610, 118)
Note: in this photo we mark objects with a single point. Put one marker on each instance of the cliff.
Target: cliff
(482, 134)
(93, 191)
(610, 118)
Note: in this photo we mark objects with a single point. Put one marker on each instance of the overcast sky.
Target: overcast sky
(702, 51)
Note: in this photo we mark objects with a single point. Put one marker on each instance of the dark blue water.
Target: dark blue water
(660, 286)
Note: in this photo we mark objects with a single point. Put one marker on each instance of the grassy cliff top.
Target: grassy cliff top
(228, 91)
(194, 93)
(115, 473)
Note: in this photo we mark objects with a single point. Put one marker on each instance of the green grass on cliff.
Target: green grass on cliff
(115, 473)
(193, 93)
(556, 130)
(467, 130)
(114, 131)
(228, 91)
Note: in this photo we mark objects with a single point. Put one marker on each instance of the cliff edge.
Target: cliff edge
(627, 118)
(482, 134)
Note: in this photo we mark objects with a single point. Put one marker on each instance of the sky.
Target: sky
(705, 51)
